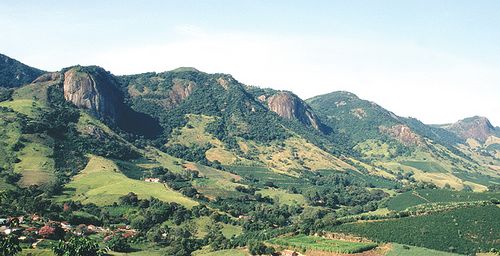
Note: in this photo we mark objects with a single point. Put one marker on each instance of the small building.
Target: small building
(154, 180)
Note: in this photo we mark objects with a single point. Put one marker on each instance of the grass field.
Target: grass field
(406, 250)
(375, 148)
(215, 182)
(464, 230)
(36, 252)
(193, 133)
(23, 106)
(36, 165)
(306, 243)
(426, 166)
(282, 197)
(227, 229)
(263, 174)
(102, 183)
(228, 252)
(413, 198)
(10, 133)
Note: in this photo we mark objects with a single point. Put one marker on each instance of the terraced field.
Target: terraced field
(413, 198)
(464, 230)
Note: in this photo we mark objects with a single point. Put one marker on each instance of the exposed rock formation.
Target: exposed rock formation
(403, 134)
(288, 105)
(53, 76)
(476, 127)
(94, 89)
(180, 90)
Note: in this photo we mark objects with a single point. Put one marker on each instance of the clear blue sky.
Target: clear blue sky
(438, 61)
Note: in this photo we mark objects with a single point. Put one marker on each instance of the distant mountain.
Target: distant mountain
(476, 127)
(213, 119)
(14, 73)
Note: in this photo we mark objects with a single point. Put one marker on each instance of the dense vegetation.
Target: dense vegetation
(14, 74)
(464, 230)
(412, 198)
(148, 190)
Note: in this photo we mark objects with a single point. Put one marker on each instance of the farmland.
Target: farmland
(413, 198)
(399, 249)
(464, 230)
(262, 174)
(306, 243)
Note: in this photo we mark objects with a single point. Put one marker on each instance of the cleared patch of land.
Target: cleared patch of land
(102, 183)
(283, 197)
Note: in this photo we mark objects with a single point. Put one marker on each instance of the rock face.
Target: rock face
(53, 76)
(476, 127)
(94, 89)
(289, 106)
(403, 134)
(180, 90)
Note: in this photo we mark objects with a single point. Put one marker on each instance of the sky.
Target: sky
(438, 61)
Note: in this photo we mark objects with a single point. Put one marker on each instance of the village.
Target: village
(34, 229)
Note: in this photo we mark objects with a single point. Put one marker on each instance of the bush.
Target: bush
(118, 243)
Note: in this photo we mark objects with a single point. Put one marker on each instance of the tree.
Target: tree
(118, 243)
(9, 245)
(259, 248)
(76, 245)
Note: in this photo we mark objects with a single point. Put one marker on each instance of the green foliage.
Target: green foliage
(355, 120)
(259, 248)
(464, 230)
(14, 74)
(413, 198)
(77, 245)
(9, 245)
(118, 243)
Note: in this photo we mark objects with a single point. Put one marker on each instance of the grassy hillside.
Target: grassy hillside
(102, 183)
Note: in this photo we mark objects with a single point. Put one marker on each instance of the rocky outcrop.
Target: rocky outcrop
(94, 89)
(48, 77)
(477, 127)
(403, 134)
(180, 90)
(289, 106)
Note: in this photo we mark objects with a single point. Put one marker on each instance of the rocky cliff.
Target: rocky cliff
(476, 127)
(288, 105)
(94, 89)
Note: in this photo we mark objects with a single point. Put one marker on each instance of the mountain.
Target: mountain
(184, 160)
(476, 127)
(14, 73)
(380, 137)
